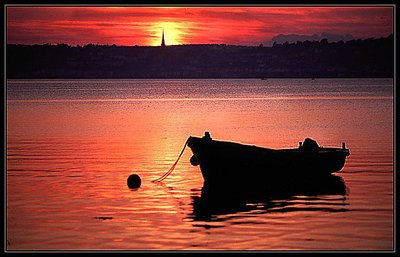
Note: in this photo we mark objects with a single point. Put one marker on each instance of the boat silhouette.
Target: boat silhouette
(229, 164)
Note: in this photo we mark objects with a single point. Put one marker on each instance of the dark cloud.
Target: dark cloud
(292, 38)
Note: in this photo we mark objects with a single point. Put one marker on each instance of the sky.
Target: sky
(189, 25)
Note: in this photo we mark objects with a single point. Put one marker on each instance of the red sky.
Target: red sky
(189, 25)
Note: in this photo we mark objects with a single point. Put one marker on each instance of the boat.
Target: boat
(231, 163)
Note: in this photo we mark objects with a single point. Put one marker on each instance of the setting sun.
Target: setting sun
(173, 33)
(129, 26)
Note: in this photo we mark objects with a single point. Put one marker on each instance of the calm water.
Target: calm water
(71, 144)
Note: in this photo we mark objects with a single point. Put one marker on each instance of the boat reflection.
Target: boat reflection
(326, 194)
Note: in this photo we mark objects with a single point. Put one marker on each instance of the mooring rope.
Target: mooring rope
(173, 166)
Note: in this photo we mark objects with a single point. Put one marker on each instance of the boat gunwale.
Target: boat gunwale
(320, 149)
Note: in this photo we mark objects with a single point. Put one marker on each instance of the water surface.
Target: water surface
(71, 144)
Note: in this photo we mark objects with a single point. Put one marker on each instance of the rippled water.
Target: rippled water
(71, 144)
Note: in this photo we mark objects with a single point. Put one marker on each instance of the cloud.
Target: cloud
(230, 25)
(292, 38)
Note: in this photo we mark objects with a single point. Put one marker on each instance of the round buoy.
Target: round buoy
(134, 181)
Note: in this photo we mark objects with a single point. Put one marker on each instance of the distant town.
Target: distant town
(355, 58)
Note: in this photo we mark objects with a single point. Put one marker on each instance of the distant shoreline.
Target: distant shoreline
(368, 58)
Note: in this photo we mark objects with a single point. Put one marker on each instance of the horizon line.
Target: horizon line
(197, 44)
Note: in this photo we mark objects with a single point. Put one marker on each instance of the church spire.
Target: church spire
(163, 41)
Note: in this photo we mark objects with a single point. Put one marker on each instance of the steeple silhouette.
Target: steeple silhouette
(162, 41)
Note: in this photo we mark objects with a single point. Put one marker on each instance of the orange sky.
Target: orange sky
(189, 25)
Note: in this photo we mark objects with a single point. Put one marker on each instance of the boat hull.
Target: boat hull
(246, 165)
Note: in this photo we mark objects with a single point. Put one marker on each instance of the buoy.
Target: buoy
(134, 181)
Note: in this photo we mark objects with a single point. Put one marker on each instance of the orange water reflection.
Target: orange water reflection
(67, 163)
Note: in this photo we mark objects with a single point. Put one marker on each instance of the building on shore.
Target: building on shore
(162, 40)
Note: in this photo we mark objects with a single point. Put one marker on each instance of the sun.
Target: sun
(173, 33)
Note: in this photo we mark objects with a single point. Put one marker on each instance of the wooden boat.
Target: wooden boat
(232, 163)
